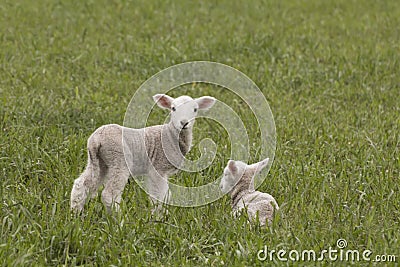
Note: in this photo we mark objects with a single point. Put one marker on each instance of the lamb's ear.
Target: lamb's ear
(205, 102)
(260, 165)
(163, 100)
(232, 166)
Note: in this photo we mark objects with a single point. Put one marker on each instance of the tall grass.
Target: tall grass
(329, 69)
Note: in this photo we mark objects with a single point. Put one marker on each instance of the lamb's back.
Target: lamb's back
(259, 203)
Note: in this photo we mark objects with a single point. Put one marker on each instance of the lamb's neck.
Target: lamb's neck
(242, 187)
(185, 140)
(179, 139)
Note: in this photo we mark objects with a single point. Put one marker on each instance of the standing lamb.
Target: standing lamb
(238, 181)
(116, 152)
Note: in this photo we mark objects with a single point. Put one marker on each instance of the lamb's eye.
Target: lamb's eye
(173, 109)
(195, 110)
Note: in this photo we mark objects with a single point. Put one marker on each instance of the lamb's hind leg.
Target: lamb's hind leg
(79, 193)
(84, 186)
(91, 178)
(117, 177)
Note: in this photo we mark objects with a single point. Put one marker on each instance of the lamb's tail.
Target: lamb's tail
(93, 148)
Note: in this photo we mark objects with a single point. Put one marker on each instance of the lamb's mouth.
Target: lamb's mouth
(185, 126)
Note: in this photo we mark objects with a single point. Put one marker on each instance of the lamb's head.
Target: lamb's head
(239, 173)
(183, 109)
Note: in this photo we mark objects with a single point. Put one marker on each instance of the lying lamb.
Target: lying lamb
(149, 151)
(238, 181)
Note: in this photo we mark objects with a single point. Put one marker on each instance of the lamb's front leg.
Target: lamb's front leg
(157, 187)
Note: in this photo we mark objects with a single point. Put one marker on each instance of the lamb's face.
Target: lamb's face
(232, 174)
(183, 112)
(184, 109)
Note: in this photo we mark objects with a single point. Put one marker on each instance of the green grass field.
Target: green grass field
(329, 69)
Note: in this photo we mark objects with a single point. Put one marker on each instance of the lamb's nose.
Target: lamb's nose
(184, 123)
